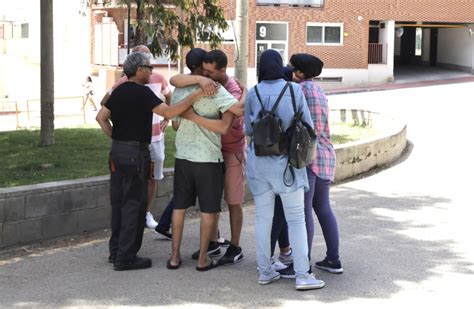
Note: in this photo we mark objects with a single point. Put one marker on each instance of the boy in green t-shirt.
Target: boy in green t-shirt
(199, 167)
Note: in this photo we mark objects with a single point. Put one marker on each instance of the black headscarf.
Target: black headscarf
(288, 71)
(310, 65)
(271, 66)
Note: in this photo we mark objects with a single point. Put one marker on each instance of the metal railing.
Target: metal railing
(21, 114)
(9, 108)
(376, 51)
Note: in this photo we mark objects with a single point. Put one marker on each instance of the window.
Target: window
(314, 3)
(227, 35)
(324, 34)
(418, 41)
(24, 31)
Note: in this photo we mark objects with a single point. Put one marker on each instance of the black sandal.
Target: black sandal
(171, 266)
(211, 265)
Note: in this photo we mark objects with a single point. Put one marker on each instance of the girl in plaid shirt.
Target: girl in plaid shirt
(321, 170)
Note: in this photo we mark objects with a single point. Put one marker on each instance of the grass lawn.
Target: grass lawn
(77, 153)
(83, 152)
(344, 133)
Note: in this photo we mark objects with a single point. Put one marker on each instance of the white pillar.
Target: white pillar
(390, 26)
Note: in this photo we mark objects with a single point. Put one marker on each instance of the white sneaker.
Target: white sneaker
(268, 278)
(286, 258)
(308, 282)
(150, 221)
(277, 265)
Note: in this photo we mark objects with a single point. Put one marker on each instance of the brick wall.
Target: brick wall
(353, 53)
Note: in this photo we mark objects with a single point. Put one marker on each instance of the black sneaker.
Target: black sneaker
(163, 232)
(330, 266)
(224, 243)
(138, 263)
(212, 250)
(111, 259)
(287, 273)
(232, 255)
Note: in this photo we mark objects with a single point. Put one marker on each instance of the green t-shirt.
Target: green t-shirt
(194, 143)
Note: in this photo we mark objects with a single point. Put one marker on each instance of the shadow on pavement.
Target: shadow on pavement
(383, 247)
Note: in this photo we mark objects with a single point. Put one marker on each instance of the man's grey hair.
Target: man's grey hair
(134, 61)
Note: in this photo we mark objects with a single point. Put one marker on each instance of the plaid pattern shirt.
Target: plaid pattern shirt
(324, 166)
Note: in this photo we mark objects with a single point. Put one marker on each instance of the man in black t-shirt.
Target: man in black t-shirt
(130, 109)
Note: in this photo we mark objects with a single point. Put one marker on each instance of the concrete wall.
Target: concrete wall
(425, 56)
(44, 211)
(358, 157)
(455, 48)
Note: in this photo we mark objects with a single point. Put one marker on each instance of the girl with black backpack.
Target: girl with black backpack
(265, 175)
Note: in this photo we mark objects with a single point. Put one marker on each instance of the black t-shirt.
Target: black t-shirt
(131, 106)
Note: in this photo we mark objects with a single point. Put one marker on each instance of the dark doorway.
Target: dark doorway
(433, 47)
(373, 34)
(407, 47)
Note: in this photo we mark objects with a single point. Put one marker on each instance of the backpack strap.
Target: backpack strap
(293, 100)
(259, 98)
(280, 96)
(276, 102)
(288, 167)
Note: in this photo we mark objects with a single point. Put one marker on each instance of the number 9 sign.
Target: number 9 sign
(262, 31)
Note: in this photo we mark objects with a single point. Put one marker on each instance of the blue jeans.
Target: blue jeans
(165, 219)
(293, 206)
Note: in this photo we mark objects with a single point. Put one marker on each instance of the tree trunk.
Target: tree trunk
(241, 62)
(47, 73)
(140, 38)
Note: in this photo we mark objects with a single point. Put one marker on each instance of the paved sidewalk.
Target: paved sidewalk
(403, 85)
(406, 234)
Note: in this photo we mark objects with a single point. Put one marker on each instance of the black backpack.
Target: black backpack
(269, 139)
(302, 139)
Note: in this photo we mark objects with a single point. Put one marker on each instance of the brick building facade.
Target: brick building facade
(360, 41)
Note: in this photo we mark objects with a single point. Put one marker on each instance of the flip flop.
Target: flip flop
(171, 266)
(212, 265)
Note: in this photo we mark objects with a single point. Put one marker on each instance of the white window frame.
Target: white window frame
(314, 3)
(228, 35)
(324, 25)
(285, 58)
(25, 34)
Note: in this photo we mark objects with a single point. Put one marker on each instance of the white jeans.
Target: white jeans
(293, 206)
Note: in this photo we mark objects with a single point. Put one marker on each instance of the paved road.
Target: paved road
(406, 234)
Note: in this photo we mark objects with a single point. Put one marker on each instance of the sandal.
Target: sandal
(211, 265)
(171, 266)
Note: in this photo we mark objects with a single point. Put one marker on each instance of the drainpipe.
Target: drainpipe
(129, 4)
(471, 33)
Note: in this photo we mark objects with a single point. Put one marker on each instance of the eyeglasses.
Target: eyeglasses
(149, 67)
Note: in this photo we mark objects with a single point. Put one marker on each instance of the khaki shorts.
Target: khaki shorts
(157, 155)
(234, 177)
